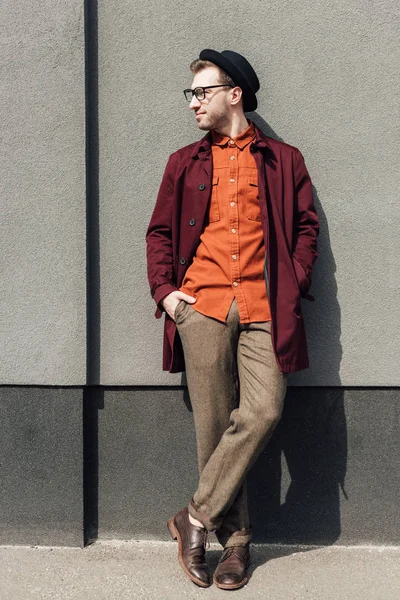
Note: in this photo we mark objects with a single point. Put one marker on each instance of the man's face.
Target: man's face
(212, 112)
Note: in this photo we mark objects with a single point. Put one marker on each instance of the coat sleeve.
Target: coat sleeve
(306, 226)
(159, 250)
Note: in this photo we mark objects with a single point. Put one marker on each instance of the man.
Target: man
(230, 249)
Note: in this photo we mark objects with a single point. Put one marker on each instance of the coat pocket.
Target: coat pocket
(302, 279)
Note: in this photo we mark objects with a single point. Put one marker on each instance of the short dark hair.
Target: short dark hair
(198, 65)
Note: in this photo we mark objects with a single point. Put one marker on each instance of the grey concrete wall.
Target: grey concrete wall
(329, 474)
(329, 85)
(76, 461)
(117, 462)
(42, 188)
(41, 466)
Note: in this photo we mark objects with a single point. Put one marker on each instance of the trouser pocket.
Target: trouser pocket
(176, 312)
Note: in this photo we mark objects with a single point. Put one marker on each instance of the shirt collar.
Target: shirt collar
(241, 140)
(202, 148)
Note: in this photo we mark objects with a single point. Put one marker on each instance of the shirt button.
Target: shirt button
(233, 230)
(234, 256)
(192, 222)
(232, 204)
(202, 187)
(231, 142)
(182, 261)
(235, 283)
(232, 180)
(232, 158)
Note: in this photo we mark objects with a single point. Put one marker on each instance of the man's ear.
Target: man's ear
(236, 95)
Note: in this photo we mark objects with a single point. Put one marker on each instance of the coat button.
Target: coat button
(202, 187)
(182, 261)
(192, 222)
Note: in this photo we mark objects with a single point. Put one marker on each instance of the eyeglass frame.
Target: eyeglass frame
(204, 88)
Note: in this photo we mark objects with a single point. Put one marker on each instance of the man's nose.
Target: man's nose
(194, 103)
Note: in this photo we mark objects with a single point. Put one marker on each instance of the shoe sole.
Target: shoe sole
(231, 586)
(175, 536)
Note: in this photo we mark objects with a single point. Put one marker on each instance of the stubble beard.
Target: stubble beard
(215, 121)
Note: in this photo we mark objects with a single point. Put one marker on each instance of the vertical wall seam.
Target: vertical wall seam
(92, 195)
(92, 393)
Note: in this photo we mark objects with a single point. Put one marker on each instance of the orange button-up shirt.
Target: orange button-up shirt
(229, 260)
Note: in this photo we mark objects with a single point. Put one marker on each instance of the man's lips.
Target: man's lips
(197, 114)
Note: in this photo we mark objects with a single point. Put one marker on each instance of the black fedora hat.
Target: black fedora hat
(241, 71)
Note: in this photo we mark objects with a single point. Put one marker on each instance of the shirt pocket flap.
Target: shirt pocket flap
(253, 180)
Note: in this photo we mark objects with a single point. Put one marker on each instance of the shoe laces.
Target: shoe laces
(227, 552)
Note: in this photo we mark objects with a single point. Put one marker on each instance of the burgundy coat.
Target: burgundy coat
(290, 226)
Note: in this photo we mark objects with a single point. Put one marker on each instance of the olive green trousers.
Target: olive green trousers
(237, 392)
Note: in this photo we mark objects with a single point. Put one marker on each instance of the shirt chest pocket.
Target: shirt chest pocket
(214, 201)
(252, 204)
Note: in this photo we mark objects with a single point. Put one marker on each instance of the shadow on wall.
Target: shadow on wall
(300, 503)
(312, 437)
(323, 317)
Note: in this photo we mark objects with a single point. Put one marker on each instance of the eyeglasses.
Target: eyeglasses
(200, 92)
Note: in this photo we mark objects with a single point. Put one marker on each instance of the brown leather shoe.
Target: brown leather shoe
(192, 542)
(230, 573)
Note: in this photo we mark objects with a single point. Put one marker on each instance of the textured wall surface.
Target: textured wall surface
(41, 466)
(328, 475)
(42, 189)
(117, 462)
(78, 462)
(330, 86)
